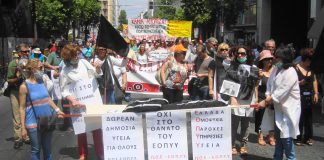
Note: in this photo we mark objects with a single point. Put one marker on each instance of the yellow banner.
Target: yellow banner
(125, 29)
(179, 28)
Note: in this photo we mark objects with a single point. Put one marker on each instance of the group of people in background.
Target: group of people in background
(284, 91)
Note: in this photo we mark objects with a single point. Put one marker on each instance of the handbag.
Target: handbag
(44, 123)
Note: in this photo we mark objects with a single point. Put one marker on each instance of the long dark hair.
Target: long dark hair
(249, 55)
(287, 56)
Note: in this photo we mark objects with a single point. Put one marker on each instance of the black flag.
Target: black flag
(109, 37)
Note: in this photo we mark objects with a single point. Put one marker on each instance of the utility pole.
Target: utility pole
(34, 20)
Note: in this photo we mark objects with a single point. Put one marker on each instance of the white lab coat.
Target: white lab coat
(284, 91)
(70, 75)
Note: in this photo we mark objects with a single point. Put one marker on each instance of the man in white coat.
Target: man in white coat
(283, 92)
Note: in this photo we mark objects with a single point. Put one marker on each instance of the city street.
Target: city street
(64, 143)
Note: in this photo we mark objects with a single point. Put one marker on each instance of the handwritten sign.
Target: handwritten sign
(158, 55)
(167, 135)
(85, 91)
(123, 136)
(211, 133)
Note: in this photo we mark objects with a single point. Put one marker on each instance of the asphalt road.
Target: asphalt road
(64, 143)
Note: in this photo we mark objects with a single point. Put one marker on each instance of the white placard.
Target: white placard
(85, 91)
(230, 88)
(56, 93)
(123, 136)
(167, 135)
(211, 133)
(158, 55)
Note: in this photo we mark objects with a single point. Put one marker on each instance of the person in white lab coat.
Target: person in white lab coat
(284, 93)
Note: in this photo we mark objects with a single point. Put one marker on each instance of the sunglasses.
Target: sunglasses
(223, 49)
(25, 51)
(241, 53)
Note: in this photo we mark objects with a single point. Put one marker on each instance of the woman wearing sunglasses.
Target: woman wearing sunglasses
(243, 73)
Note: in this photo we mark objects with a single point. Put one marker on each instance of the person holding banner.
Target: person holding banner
(178, 72)
(284, 93)
(74, 72)
(243, 74)
(35, 102)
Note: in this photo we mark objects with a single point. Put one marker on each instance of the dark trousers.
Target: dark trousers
(258, 119)
(306, 120)
(172, 95)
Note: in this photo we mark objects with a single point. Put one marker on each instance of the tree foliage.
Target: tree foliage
(168, 12)
(50, 14)
(204, 12)
(55, 16)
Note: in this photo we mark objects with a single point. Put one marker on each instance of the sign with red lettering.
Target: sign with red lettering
(150, 29)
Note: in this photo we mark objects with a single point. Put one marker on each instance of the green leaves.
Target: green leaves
(204, 12)
(57, 15)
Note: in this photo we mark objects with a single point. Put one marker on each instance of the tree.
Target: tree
(168, 11)
(56, 16)
(122, 19)
(206, 13)
(50, 15)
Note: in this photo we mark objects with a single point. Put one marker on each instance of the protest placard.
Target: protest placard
(211, 133)
(160, 54)
(56, 93)
(85, 91)
(123, 136)
(167, 135)
(200, 134)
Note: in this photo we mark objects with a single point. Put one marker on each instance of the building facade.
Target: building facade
(110, 10)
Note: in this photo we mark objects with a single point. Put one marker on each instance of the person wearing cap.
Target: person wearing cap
(284, 93)
(173, 82)
(211, 46)
(36, 53)
(15, 78)
(266, 66)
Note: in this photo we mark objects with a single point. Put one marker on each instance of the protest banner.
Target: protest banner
(123, 136)
(198, 134)
(141, 78)
(86, 91)
(179, 28)
(150, 29)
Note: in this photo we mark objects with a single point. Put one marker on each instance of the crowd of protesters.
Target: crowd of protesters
(283, 92)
